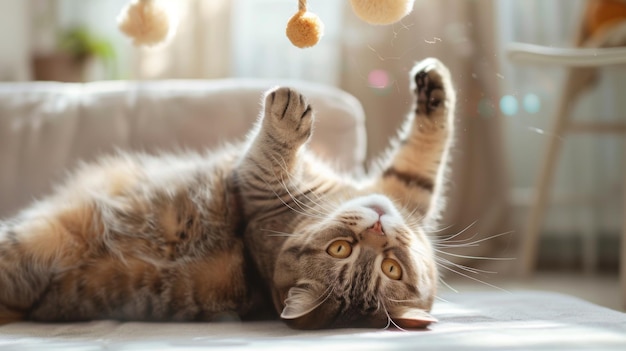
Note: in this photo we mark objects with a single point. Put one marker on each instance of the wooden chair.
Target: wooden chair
(581, 64)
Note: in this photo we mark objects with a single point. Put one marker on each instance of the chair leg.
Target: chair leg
(575, 82)
(622, 259)
(530, 240)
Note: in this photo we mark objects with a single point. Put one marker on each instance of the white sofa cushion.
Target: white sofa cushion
(46, 128)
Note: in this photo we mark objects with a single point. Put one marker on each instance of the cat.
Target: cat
(253, 230)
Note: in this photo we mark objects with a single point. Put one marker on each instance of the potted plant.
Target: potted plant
(76, 47)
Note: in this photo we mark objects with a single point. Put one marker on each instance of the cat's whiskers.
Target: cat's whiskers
(449, 238)
(301, 203)
(288, 206)
(328, 292)
(442, 281)
(303, 211)
(318, 205)
(433, 230)
(461, 243)
(457, 268)
(278, 233)
(283, 165)
(439, 298)
(442, 261)
(401, 301)
(475, 257)
(322, 203)
(410, 217)
(390, 320)
(418, 300)
(473, 278)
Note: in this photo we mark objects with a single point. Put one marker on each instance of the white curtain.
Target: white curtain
(462, 34)
(243, 38)
(15, 40)
(200, 47)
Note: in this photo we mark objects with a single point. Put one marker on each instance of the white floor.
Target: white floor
(601, 289)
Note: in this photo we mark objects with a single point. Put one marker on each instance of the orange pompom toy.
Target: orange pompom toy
(304, 29)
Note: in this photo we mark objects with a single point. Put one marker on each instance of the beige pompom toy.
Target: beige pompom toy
(145, 22)
(381, 11)
(305, 29)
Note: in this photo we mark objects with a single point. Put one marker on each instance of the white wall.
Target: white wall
(14, 40)
(261, 49)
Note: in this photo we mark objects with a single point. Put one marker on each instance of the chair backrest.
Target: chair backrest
(572, 57)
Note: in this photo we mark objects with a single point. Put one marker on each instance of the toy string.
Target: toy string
(302, 5)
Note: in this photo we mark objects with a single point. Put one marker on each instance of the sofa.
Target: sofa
(47, 128)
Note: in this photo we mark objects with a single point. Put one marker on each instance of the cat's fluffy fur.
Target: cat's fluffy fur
(198, 237)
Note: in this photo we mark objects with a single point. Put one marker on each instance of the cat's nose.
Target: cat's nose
(374, 236)
(377, 228)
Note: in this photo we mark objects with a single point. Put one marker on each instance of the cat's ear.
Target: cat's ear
(412, 318)
(300, 301)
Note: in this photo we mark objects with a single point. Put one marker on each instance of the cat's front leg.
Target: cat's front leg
(414, 171)
(271, 165)
(286, 124)
(285, 128)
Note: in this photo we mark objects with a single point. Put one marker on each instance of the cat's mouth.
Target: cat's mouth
(379, 204)
(378, 209)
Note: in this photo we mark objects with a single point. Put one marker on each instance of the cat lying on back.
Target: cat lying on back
(239, 230)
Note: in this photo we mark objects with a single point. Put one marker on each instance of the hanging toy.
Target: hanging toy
(148, 24)
(304, 28)
(381, 11)
(145, 22)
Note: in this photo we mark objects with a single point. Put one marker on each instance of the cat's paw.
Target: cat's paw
(433, 89)
(288, 116)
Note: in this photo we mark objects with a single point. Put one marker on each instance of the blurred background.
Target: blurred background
(505, 110)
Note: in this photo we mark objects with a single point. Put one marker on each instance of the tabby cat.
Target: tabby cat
(252, 230)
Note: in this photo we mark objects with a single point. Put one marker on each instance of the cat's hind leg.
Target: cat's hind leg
(16, 294)
(10, 311)
(32, 248)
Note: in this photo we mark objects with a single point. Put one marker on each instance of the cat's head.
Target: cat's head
(365, 264)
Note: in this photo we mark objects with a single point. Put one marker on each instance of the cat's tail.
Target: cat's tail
(22, 278)
(8, 315)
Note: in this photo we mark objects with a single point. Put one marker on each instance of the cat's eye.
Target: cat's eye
(340, 249)
(391, 268)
